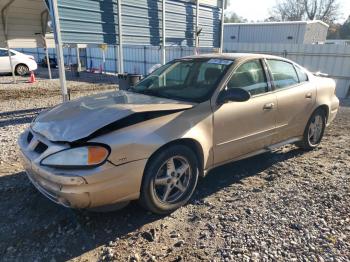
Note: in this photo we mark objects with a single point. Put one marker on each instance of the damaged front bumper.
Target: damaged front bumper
(79, 188)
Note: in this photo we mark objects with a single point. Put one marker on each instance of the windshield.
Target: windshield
(191, 80)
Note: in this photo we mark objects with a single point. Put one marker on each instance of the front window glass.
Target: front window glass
(251, 77)
(3, 53)
(188, 79)
(283, 73)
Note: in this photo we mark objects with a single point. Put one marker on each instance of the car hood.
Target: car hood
(79, 119)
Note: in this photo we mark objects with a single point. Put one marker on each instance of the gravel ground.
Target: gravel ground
(287, 205)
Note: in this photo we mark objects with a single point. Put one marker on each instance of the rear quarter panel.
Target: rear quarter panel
(326, 96)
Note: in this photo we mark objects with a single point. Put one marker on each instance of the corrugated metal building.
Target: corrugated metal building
(96, 22)
(21, 22)
(298, 32)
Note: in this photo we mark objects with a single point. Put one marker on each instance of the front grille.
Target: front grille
(29, 137)
(40, 148)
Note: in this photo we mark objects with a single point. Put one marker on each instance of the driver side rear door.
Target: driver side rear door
(241, 128)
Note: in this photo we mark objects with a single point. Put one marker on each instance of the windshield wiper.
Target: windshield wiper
(151, 92)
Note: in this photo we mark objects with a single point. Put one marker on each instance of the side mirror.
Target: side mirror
(233, 95)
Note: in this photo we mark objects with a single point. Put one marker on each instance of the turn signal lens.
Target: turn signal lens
(96, 155)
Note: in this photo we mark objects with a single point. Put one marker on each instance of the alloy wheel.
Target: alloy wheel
(315, 130)
(172, 180)
(22, 70)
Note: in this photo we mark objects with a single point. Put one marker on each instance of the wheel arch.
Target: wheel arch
(324, 108)
(191, 143)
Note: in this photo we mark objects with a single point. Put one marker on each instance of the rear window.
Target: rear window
(283, 73)
(301, 74)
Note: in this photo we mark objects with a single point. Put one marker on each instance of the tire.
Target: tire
(169, 180)
(22, 70)
(314, 130)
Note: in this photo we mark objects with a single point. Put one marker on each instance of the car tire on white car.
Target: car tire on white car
(22, 70)
(314, 130)
(169, 180)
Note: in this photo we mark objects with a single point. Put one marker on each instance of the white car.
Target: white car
(22, 63)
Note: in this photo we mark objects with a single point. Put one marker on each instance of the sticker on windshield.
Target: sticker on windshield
(220, 61)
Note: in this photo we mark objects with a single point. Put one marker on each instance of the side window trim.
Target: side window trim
(268, 75)
(300, 69)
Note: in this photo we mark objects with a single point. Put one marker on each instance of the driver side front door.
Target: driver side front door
(241, 128)
(4, 62)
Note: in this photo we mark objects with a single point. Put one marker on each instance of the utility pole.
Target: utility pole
(4, 15)
(120, 40)
(197, 29)
(222, 26)
(163, 35)
(59, 48)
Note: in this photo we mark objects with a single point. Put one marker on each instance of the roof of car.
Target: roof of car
(233, 56)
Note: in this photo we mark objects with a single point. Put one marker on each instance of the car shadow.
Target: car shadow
(18, 117)
(345, 102)
(83, 76)
(233, 173)
(34, 225)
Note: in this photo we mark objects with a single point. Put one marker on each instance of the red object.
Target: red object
(32, 78)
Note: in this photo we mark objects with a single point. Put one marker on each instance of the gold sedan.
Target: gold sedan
(153, 141)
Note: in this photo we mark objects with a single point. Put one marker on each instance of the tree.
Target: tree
(339, 31)
(333, 31)
(288, 10)
(325, 10)
(232, 17)
(344, 31)
(292, 10)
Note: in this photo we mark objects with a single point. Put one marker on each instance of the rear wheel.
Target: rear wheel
(22, 70)
(314, 130)
(169, 180)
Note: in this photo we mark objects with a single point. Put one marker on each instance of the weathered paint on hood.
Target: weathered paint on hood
(75, 120)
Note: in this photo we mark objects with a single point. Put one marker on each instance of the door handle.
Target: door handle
(269, 106)
(308, 95)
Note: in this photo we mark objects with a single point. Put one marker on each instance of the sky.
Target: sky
(258, 10)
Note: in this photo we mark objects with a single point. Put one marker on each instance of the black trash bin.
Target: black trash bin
(127, 80)
(134, 79)
(123, 81)
(75, 71)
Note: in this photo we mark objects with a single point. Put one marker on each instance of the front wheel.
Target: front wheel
(169, 179)
(314, 130)
(22, 70)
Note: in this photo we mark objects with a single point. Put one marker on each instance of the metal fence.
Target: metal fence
(333, 60)
(137, 59)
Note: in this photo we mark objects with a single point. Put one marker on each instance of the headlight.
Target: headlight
(86, 156)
